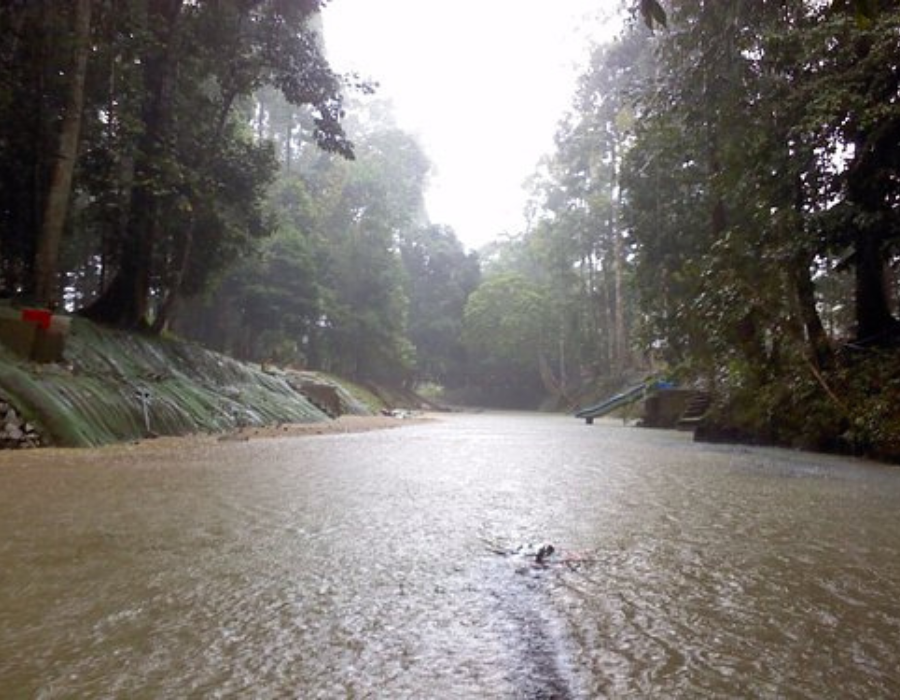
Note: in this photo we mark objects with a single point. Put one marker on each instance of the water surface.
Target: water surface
(399, 564)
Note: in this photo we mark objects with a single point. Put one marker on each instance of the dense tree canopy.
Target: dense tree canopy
(440, 276)
(725, 192)
(654, 13)
(189, 162)
(132, 114)
(506, 331)
(355, 280)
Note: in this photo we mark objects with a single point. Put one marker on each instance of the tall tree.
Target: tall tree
(60, 188)
(763, 169)
(576, 248)
(377, 201)
(267, 42)
(851, 86)
(38, 70)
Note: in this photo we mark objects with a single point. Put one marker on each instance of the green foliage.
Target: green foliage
(505, 320)
(375, 200)
(506, 330)
(440, 276)
(576, 251)
(170, 180)
(724, 194)
(870, 384)
(757, 179)
(354, 281)
(864, 11)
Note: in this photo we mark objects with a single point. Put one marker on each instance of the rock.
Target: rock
(323, 396)
(16, 432)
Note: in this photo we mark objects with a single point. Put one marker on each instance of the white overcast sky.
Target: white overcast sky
(481, 83)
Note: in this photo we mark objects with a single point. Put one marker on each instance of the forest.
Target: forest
(722, 208)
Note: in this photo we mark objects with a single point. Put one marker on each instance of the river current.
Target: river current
(402, 564)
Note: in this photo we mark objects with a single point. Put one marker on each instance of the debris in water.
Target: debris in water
(545, 551)
(541, 556)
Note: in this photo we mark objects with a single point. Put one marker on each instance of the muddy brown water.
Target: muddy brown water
(399, 564)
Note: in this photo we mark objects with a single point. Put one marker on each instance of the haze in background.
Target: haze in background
(481, 83)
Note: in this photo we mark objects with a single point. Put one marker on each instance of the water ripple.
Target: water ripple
(402, 564)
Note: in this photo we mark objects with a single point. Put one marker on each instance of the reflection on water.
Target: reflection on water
(389, 565)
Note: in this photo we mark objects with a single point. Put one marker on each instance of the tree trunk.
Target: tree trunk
(874, 323)
(166, 309)
(805, 294)
(874, 166)
(125, 303)
(56, 206)
(288, 145)
(620, 349)
(800, 275)
(260, 118)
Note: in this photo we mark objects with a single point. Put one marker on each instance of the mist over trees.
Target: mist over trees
(355, 280)
(188, 165)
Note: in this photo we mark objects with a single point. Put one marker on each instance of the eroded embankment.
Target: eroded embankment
(114, 386)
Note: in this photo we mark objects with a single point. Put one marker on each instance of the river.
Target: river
(401, 564)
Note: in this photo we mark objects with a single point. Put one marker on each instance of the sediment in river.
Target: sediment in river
(114, 386)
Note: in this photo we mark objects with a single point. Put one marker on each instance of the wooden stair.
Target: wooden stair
(694, 411)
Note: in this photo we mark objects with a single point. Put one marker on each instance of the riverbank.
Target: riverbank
(110, 386)
(341, 424)
(162, 445)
